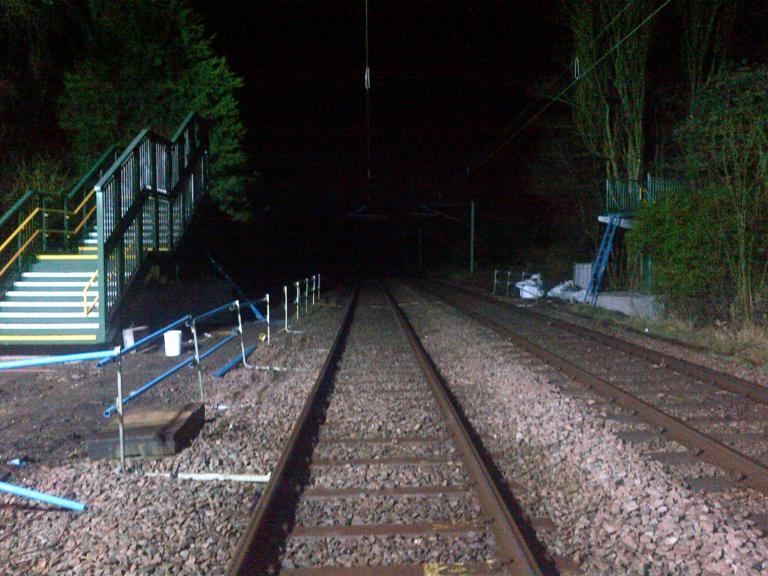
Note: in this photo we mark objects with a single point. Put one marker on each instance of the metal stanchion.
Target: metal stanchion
(269, 329)
(318, 287)
(119, 406)
(298, 299)
(306, 295)
(285, 307)
(314, 284)
(198, 368)
(509, 276)
(240, 331)
(495, 273)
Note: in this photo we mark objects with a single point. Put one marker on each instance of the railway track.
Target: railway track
(719, 418)
(381, 474)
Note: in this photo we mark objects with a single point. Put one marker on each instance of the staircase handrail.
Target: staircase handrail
(144, 202)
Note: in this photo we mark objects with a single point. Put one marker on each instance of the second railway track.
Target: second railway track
(381, 474)
(718, 417)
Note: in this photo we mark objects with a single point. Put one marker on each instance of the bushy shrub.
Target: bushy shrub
(682, 234)
(148, 63)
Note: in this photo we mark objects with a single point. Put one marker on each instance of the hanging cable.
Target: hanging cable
(367, 105)
(502, 140)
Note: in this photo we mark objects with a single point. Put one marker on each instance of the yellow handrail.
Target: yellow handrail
(83, 202)
(19, 251)
(87, 215)
(21, 226)
(84, 220)
(86, 307)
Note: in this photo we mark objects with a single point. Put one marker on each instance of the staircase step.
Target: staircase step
(63, 257)
(91, 240)
(87, 249)
(53, 274)
(63, 266)
(5, 326)
(53, 284)
(47, 338)
(39, 304)
(50, 294)
(48, 315)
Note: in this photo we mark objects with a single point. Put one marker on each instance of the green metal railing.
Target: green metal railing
(144, 203)
(627, 196)
(38, 222)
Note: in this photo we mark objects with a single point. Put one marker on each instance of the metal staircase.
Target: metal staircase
(601, 261)
(66, 263)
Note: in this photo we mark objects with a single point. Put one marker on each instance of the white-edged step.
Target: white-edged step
(50, 294)
(43, 315)
(44, 304)
(55, 326)
(52, 284)
(87, 275)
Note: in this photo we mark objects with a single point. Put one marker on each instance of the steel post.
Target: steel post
(298, 298)
(285, 306)
(119, 405)
(240, 331)
(198, 368)
(314, 284)
(269, 328)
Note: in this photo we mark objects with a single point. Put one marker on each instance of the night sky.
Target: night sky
(447, 77)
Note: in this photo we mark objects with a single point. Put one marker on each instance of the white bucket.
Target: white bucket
(128, 339)
(172, 340)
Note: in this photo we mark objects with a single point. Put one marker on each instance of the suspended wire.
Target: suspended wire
(582, 73)
(367, 104)
(550, 85)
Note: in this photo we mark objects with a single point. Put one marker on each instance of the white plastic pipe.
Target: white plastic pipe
(212, 477)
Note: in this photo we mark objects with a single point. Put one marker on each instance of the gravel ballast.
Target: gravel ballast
(137, 524)
(614, 509)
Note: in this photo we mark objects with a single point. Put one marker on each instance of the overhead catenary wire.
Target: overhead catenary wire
(577, 74)
(472, 167)
(367, 104)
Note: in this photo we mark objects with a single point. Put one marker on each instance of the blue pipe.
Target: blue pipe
(252, 305)
(149, 337)
(42, 497)
(62, 359)
(226, 306)
(170, 372)
(213, 349)
(151, 384)
(232, 363)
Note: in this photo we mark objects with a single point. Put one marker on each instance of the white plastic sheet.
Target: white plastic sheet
(530, 288)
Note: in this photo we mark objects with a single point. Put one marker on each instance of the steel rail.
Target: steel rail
(722, 380)
(512, 548)
(749, 471)
(255, 552)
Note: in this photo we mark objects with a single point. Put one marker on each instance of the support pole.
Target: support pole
(119, 405)
(298, 299)
(306, 295)
(472, 237)
(269, 328)
(495, 274)
(198, 367)
(285, 307)
(240, 331)
(318, 287)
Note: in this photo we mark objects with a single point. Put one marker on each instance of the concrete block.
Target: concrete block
(150, 432)
(630, 303)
